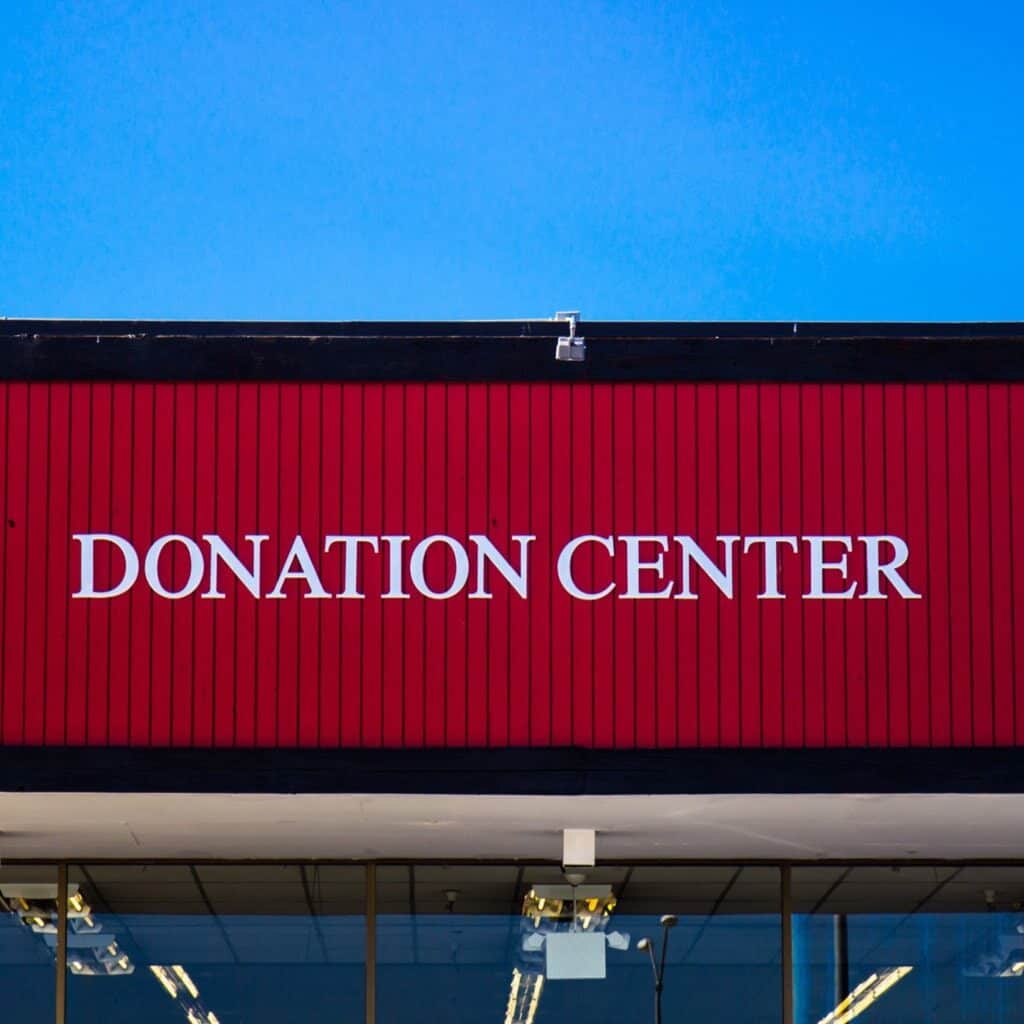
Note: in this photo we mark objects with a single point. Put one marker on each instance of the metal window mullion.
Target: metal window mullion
(60, 1006)
(786, 879)
(371, 944)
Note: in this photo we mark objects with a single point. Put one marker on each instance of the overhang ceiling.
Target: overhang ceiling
(382, 826)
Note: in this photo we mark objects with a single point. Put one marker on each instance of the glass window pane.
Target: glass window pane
(28, 942)
(217, 943)
(475, 943)
(942, 944)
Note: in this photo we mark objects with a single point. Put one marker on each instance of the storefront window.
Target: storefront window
(28, 943)
(510, 944)
(513, 943)
(216, 944)
(941, 944)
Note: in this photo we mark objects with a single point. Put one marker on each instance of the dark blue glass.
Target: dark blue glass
(28, 938)
(220, 944)
(886, 945)
(484, 959)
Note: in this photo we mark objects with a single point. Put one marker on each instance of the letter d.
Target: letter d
(131, 564)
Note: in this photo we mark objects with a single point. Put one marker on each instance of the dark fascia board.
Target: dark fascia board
(554, 771)
(500, 350)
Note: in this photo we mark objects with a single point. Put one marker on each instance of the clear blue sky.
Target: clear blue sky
(408, 160)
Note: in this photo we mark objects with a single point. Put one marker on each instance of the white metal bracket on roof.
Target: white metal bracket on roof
(571, 348)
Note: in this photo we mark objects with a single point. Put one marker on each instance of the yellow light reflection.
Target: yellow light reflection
(161, 975)
(865, 994)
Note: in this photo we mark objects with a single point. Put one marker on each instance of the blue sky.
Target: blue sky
(404, 160)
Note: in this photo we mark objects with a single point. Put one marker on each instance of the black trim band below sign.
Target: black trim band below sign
(550, 771)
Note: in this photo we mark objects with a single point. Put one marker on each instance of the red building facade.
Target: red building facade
(425, 564)
(439, 537)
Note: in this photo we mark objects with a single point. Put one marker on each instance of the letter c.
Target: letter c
(565, 566)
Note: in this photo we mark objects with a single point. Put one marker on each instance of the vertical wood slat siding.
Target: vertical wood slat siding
(940, 464)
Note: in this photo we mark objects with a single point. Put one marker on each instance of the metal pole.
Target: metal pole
(62, 943)
(659, 982)
(371, 944)
(841, 950)
(787, 943)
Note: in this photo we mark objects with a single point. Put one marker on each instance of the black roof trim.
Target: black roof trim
(495, 329)
(521, 350)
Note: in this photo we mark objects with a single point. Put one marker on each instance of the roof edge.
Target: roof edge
(19, 327)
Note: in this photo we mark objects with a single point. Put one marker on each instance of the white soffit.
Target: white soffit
(806, 827)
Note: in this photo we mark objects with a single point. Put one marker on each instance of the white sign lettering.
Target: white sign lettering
(634, 567)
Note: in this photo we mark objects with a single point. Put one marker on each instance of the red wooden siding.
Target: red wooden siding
(941, 465)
